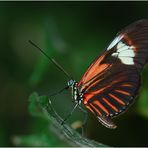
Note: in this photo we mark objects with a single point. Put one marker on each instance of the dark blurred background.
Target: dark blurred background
(74, 33)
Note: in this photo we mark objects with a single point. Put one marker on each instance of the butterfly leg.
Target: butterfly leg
(85, 119)
(69, 114)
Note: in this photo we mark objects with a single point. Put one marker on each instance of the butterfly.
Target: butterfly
(112, 81)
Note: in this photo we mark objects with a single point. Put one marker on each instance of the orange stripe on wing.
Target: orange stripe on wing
(88, 85)
(117, 99)
(96, 110)
(91, 85)
(128, 85)
(93, 72)
(90, 95)
(94, 69)
(112, 106)
(87, 97)
(123, 92)
(89, 108)
(96, 102)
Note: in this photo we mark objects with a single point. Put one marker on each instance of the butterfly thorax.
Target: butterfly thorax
(77, 95)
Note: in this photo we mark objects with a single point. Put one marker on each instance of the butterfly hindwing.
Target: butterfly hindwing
(113, 96)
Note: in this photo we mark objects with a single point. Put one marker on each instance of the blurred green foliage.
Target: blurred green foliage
(74, 33)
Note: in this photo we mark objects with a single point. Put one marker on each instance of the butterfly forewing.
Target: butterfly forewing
(112, 81)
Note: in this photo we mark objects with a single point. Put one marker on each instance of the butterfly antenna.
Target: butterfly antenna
(51, 59)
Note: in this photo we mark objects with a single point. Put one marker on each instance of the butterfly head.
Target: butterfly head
(76, 94)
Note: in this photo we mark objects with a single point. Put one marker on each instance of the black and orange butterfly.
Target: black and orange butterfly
(111, 83)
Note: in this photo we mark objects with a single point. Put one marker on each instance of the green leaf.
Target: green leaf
(54, 133)
(65, 131)
(34, 107)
